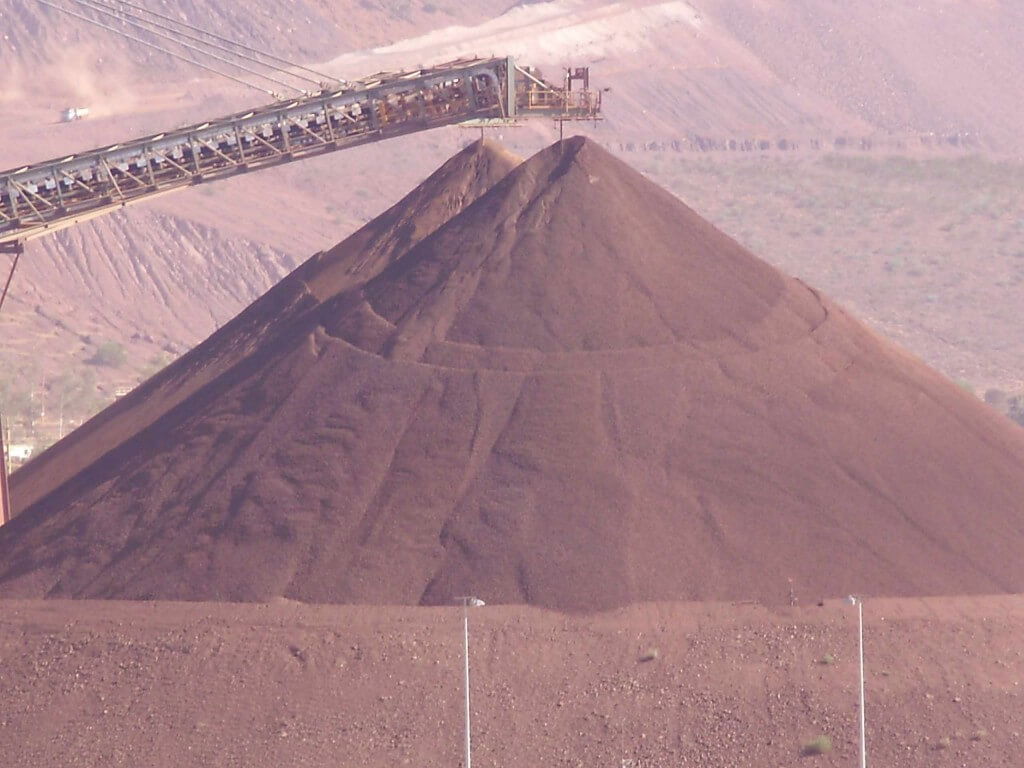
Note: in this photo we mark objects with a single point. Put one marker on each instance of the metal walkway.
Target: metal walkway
(49, 196)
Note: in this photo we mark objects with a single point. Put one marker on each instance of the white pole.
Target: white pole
(5, 496)
(860, 644)
(465, 652)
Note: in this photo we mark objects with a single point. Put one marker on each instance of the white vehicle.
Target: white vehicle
(73, 113)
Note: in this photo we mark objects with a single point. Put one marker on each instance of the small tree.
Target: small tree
(73, 395)
(110, 354)
(1016, 409)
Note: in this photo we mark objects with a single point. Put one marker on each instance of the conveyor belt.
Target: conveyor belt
(49, 196)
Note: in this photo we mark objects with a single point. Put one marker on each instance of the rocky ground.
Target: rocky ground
(709, 685)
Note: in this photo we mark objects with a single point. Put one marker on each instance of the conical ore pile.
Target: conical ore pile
(569, 391)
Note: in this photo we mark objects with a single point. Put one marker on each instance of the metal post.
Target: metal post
(17, 249)
(465, 653)
(511, 94)
(860, 645)
(467, 603)
(852, 600)
(5, 496)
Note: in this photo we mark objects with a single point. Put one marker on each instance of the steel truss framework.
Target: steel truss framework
(46, 197)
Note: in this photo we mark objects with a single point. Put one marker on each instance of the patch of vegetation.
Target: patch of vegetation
(820, 745)
(16, 402)
(965, 385)
(1004, 402)
(73, 394)
(38, 410)
(1017, 414)
(649, 655)
(827, 660)
(155, 364)
(110, 354)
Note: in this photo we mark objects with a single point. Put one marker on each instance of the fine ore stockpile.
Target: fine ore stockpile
(561, 387)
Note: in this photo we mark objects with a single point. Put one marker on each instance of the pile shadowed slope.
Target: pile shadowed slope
(575, 393)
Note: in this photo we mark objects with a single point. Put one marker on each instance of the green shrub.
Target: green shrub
(819, 745)
(110, 354)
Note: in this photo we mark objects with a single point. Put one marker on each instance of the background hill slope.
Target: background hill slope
(924, 250)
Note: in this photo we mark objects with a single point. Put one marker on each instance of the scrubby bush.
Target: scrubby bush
(110, 354)
(649, 655)
(1016, 409)
(819, 745)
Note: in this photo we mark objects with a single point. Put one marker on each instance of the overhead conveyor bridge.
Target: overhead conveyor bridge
(46, 197)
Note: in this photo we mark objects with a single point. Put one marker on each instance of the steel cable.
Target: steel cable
(148, 44)
(127, 15)
(136, 20)
(249, 49)
(105, 10)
